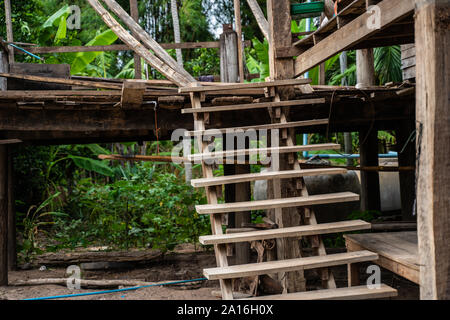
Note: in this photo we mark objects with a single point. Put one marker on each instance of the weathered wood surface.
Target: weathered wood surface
(52, 259)
(289, 265)
(398, 251)
(168, 71)
(433, 147)
(354, 293)
(351, 34)
(260, 18)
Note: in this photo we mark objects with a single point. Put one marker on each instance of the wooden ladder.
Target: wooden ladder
(311, 229)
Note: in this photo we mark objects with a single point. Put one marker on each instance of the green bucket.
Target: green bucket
(307, 9)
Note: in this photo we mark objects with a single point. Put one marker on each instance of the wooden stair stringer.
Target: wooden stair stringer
(211, 193)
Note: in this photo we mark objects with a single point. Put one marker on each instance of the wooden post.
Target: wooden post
(236, 192)
(237, 15)
(12, 246)
(9, 29)
(407, 158)
(279, 18)
(134, 10)
(3, 216)
(368, 138)
(432, 35)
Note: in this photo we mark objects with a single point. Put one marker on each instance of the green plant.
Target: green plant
(34, 220)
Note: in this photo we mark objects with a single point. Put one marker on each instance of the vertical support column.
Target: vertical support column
(9, 30)
(368, 138)
(237, 15)
(407, 158)
(432, 35)
(229, 72)
(134, 10)
(279, 18)
(12, 245)
(3, 216)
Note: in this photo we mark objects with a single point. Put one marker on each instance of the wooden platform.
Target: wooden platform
(398, 251)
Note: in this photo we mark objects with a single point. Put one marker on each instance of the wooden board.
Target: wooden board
(197, 183)
(351, 34)
(353, 293)
(295, 124)
(278, 203)
(263, 151)
(255, 269)
(267, 84)
(257, 105)
(301, 231)
(397, 250)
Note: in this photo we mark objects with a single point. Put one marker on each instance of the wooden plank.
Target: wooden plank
(211, 195)
(260, 19)
(132, 94)
(271, 126)
(124, 47)
(396, 266)
(198, 183)
(353, 293)
(255, 269)
(301, 231)
(432, 22)
(351, 34)
(254, 85)
(256, 105)
(262, 151)
(81, 83)
(278, 203)
(168, 71)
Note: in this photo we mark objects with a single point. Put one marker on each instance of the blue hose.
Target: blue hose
(113, 291)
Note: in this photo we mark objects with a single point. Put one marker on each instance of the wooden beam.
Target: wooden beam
(351, 34)
(134, 10)
(9, 30)
(260, 18)
(12, 242)
(148, 41)
(69, 82)
(168, 71)
(241, 86)
(433, 135)
(3, 216)
(238, 22)
(132, 94)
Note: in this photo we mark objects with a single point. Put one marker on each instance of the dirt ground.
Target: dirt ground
(183, 265)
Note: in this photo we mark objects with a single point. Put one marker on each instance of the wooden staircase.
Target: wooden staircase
(310, 230)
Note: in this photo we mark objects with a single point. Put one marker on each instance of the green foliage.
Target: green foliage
(146, 209)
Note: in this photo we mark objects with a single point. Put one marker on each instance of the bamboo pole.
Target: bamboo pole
(237, 14)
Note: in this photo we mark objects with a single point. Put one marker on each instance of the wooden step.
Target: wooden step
(300, 231)
(348, 293)
(255, 269)
(271, 126)
(240, 86)
(217, 181)
(292, 103)
(277, 203)
(262, 151)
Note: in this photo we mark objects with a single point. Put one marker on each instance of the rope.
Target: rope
(113, 291)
